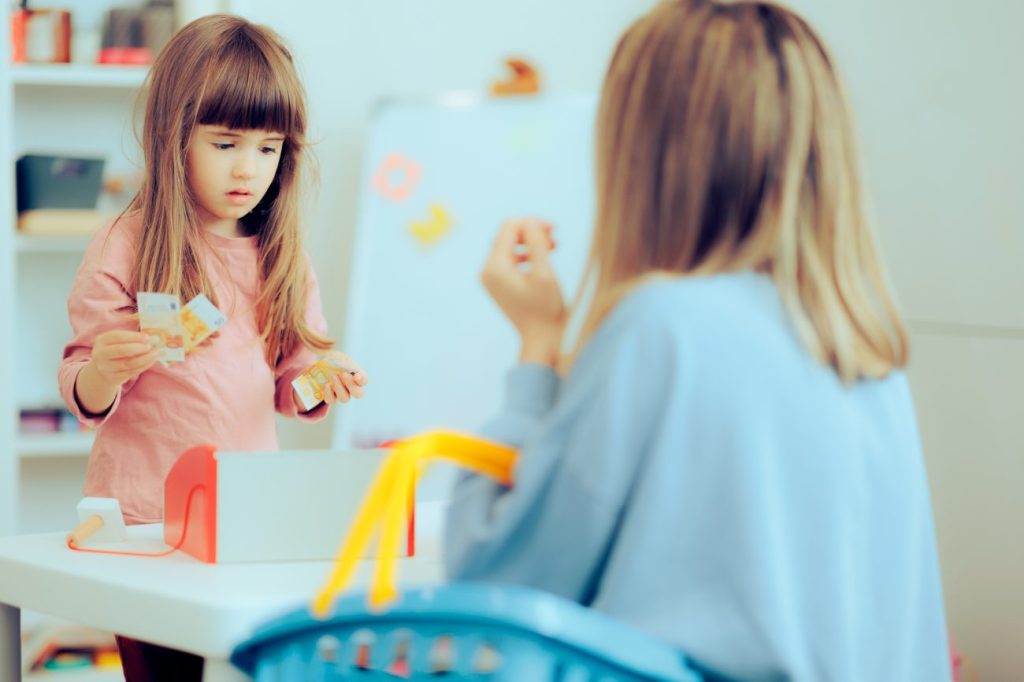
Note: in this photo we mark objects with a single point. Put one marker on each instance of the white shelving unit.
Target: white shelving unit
(78, 75)
(76, 109)
(44, 471)
(32, 244)
(68, 110)
(54, 444)
(71, 110)
(8, 408)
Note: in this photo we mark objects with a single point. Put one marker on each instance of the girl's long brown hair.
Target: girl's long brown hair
(224, 70)
(725, 142)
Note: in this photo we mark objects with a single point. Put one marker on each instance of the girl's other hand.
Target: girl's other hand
(345, 385)
(519, 277)
(208, 341)
(120, 355)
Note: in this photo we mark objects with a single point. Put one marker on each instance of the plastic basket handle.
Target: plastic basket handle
(384, 507)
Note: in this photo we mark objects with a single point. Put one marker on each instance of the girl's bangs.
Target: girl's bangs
(246, 94)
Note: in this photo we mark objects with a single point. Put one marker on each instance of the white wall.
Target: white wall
(352, 54)
(940, 106)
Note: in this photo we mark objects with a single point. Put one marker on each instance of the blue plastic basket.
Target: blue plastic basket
(459, 632)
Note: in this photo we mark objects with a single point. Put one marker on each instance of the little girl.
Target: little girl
(731, 463)
(223, 140)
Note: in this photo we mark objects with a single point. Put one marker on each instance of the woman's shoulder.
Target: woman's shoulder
(672, 316)
(696, 301)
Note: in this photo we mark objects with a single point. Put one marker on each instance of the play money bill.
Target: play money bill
(310, 385)
(200, 318)
(160, 318)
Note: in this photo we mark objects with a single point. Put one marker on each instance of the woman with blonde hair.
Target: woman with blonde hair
(224, 140)
(731, 460)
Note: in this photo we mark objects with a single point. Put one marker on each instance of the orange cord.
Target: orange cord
(153, 555)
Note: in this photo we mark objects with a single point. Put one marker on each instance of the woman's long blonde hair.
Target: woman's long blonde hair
(725, 142)
(223, 70)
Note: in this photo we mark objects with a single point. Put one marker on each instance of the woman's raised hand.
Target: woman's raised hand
(519, 277)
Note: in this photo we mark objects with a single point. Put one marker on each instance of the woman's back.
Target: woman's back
(718, 487)
(733, 462)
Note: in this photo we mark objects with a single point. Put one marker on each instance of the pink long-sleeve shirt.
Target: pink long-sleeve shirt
(225, 394)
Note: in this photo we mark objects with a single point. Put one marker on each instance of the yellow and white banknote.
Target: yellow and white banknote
(310, 384)
(200, 318)
(160, 318)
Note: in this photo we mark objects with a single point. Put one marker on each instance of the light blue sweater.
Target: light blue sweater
(700, 476)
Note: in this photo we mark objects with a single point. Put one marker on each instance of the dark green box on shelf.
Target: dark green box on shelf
(58, 182)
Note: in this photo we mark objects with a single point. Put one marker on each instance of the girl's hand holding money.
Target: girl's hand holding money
(208, 341)
(335, 378)
(348, 383)
(117, 356)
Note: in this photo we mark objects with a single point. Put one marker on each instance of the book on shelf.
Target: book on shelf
(54, 647)
(47, 420)
(61, 222)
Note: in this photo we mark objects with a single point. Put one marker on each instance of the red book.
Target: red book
(126, 56)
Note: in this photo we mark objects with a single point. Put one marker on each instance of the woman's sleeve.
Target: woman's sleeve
(293, 365)
(99, 302)
(577, 465)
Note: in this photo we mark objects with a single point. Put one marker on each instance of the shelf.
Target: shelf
(55, 631)
(82, 675)
(79, 75)
(51, 244)
(55, 444)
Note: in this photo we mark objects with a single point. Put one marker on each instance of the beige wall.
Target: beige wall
(940, 107)
(969, 391)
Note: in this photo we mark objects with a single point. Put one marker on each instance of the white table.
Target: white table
(176, 601)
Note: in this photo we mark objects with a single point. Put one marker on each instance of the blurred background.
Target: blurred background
(936, 91)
